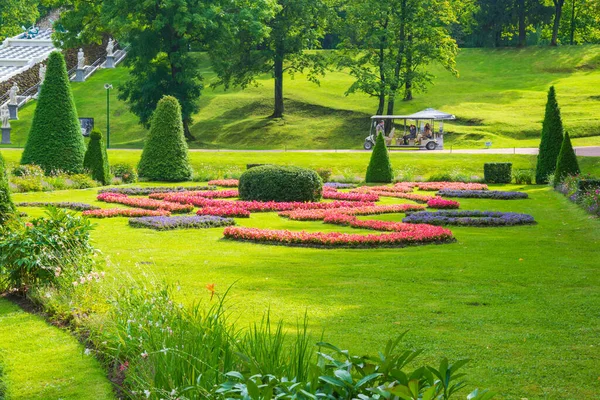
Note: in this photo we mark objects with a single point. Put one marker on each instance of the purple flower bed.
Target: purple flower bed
(483, 194)
(337, 185)
(469, 218)
(69, 205)
(180, 222)
(144, 191)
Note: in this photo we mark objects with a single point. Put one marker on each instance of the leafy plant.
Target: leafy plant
(125, 172)
(7, 208)
(523, 176)
(280, 183)
(497, 172)
(552, 137)
(96, 159)
(380, 168)
(28, 170)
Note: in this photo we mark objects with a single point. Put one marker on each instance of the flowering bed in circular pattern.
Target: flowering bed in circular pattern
(69, 205)
(483, 194)
(225, 182)
(149, 204)
(410, 236)
(469, 218)
(145, 191)
(438, 202)
(180, 222)
(125, 212)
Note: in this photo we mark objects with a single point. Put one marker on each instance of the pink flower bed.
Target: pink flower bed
(419, 198)
(225, 211)
(208, 194)
(125, 212)
(438, 202)
(149, 204)
(435, 186)
(420, 235)
(317, 215)
(333, 194)
(224, 182)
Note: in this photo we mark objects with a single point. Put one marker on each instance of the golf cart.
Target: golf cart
(420, 138)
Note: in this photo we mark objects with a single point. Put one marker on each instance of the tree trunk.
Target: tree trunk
(382, 70)
(558, 5)
(522, 32)
(186, 130)
(381, 103)
(278, 74)
(572, 41)
(408, 95)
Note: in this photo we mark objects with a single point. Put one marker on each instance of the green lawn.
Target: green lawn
(520, 301)
(40, 361)
(499, 97)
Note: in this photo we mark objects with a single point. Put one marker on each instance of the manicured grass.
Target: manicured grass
(343, 164)
(499, 97)
(520, 301)
(40, 361)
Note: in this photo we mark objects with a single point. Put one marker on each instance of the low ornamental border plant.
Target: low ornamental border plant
(225, 182)
(338, 185)
(60, 204)
(469, 218)
(149, 204)
(208, 194)
(145, 191)
(439, 203)
(125, 212)
(483, 194)
(424, 235)
(180, 222)
(435, 186)
(225, 211)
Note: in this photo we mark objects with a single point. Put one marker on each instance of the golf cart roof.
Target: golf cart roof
(428, 113)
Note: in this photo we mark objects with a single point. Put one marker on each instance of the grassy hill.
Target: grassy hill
(499, 97)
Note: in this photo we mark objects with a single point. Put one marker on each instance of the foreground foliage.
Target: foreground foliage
(7, 207)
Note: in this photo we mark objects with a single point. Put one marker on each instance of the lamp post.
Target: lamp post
(108, 86)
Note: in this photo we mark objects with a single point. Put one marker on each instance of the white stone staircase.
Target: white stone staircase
(18, 54)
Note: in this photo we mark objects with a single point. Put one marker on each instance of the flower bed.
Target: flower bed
(419, 198)
(434, 186)
(317, 215)
(145, 191)
(125, 212)
(337, 185)
(224, 182)
(229, 210)
(366, 197)
(149, 204)
(181, 222)
(423, 235)
(483, 194)
(69, 205)
(208, 194)
(469, 218)
(438, 202)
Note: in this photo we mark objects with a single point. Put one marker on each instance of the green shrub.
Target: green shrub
(125, 172)
(380, 168)
(45, 251)
(497, 172)
(80, 181)
(25, 184)
(552, 138)
(567, 161)
(523, 176)
(27, 170)
(96, 159)
(324, 173)
(165, 155)
(7, 208)
(55, 141)
(280, 183)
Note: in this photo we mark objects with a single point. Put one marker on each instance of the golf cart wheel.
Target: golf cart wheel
(368, 145)
(431, 146)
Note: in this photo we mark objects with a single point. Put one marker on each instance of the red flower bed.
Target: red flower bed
(224, 182)
(225, 211)
(334, 194)
(435, 186)
(390, 226)
(438, 202)
(125, 212)
(149, 204)
(419, 198)
(423, 234)
(316, 215)
(209, 194)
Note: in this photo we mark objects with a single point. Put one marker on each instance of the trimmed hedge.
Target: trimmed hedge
(497, 172)
(55, 141)
(7, 208)
(280, 183)
(165, 155)
(552, 137)
(96, 159)
(567, 161)
(380, 168)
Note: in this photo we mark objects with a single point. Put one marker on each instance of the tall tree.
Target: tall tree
(580, 22)
(558, 8)
(16, 13)
(295, 26)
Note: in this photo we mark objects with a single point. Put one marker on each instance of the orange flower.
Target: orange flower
(211, 289)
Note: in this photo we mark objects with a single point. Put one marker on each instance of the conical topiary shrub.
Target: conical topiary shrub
(55, 141)
(7, 207)
(567, 161)
(380, 169)
(552, 137)
(96, 159)
(165, 155)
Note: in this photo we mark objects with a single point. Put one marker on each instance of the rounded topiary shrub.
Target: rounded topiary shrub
(55, 141)
(96, 159)
(280, 183)
(7, 207)
(165, 155)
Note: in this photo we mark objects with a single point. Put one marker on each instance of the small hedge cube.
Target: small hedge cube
(497, 172)
(280, 183)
